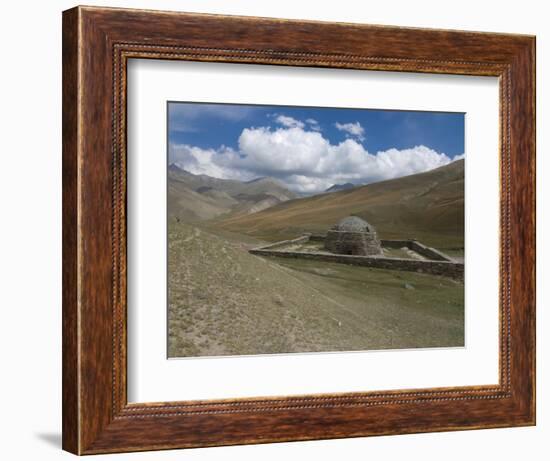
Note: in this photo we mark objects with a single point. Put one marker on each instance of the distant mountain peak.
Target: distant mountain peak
(265, 179)
(338, 187)
(261, 178)
(174, 167)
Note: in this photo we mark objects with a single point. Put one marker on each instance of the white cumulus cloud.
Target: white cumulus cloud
(288, 122)
(304, 160)
(313, 124)
(204, 161)
(352, 129)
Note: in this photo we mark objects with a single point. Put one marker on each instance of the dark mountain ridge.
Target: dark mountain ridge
(339, 187)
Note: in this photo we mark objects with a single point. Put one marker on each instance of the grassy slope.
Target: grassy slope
(427, 206)
(224, 301)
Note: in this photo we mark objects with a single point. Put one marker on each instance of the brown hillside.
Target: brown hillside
(428, 206)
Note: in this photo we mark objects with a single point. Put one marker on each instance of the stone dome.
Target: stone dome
(352, 224)
(353, 236)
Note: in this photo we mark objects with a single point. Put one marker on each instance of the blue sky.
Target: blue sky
(310, 148)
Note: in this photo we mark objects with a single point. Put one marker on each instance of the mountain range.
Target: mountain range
(201, 197)
(427, 206)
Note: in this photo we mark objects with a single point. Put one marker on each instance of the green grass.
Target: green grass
(411, 308)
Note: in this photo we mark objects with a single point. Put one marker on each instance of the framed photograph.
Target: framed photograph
(282, 230)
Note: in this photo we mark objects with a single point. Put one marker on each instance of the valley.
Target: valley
(226, 301)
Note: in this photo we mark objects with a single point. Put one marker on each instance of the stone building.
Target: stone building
(353, 236)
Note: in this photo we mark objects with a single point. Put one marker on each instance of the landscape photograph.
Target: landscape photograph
(313, 229)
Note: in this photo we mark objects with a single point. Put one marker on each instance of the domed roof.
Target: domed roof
(353, 224)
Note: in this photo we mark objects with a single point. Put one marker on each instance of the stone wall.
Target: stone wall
(445, 268)
(437, 264)
(428, 252)
(395, 243)
(423, 250)
(284, 243)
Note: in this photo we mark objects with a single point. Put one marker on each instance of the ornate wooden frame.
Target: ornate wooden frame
(97, 43)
